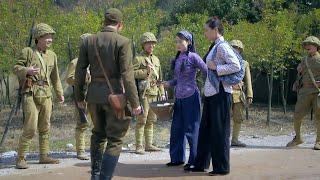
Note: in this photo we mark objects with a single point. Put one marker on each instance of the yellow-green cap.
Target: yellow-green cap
(237, 43)
(148, 37)
(311, 40)
(42, 29)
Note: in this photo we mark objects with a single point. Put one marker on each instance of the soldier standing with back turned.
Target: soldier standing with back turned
(309, 68)
(242, 96)
(116, 58)
(37, 69)
(147, 70)
(81, 127)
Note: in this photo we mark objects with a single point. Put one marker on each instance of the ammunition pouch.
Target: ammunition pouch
(41, 93)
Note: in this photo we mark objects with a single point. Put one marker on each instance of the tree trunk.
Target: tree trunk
(270, 87)
(284, 101)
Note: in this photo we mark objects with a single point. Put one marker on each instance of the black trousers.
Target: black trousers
(214, 133)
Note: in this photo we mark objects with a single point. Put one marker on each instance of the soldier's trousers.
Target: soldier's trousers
(37, 117)
(80, 130)
(214, 133)
(107, 128)
(185, 126)
(145, 121)
(237, 117)
(303, 106)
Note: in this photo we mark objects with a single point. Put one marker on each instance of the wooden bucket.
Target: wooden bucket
(163, 109)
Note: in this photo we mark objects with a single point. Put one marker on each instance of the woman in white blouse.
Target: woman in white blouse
(214, 132)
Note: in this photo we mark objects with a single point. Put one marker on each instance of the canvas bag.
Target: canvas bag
(117, 101)
(234, 78)
(314, 82)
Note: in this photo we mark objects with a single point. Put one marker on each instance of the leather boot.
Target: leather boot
(108, 166)
(45, 159)
(148, 133)
(21, 163)
(96, 151)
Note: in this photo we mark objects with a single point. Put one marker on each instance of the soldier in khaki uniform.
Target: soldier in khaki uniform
(242, 95)
(37, 70)
(116, 56)
(81, 127)
(308, 93)
(147, 70)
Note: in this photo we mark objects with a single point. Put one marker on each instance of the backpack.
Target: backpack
(234, 78)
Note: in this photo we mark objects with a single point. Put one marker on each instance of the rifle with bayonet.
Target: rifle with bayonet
(17, 105)
(136, 80)
(82, 112)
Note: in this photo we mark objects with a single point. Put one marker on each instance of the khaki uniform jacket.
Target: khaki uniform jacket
(140, 73)
(29, 57)
(116, 56)
(71, 73)
(246, 85)
(314, 64)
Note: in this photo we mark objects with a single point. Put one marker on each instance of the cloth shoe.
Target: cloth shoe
(82, 155)
(317, 146)
(174, 164)
(139, 150)
(214, 173)
(296, 141)
(21, 163)
(45, 159)
(237, 143)
(152, 148)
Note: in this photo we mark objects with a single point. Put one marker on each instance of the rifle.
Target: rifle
(82, 112)
(136, 80)
(17, 105)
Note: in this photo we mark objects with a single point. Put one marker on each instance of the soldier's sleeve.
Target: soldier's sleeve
(19, 68)
(247, 80)
(138, 72)
(81, 71)
(71, 72)
(127, 74)
(161, 88)
(55, 78)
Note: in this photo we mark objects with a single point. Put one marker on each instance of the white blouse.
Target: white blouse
(226, 62)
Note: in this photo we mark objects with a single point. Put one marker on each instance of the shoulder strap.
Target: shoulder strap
(100, 63)
(43, 65)
(311, 74)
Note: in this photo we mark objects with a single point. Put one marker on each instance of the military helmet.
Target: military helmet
(82, 38)
(42, 29)
(237, 43)
(311, 40)
(148, 37)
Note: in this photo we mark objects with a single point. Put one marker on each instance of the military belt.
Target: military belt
(40, 83)
(310, 84)
(236, 87)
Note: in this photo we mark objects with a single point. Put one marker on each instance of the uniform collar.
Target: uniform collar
(143, 53)
(109, 29)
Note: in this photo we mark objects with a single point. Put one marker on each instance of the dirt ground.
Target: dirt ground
(264, 158)
(246, 163)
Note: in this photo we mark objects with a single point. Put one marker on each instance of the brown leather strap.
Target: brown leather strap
(101, 65)
(40, 83)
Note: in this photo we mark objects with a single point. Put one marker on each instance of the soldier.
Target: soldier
(115, 53)
(37, 70)
(147, 70)
(309, 68)
(242, 96)
(81, 127)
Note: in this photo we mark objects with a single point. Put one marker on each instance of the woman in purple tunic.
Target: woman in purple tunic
(186, 115)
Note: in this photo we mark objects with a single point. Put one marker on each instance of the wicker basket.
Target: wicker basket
(164, 112)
